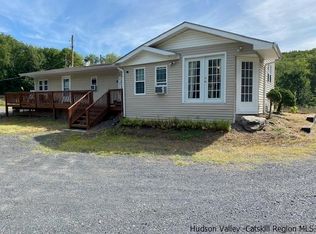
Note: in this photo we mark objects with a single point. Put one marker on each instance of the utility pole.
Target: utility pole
(72, 50)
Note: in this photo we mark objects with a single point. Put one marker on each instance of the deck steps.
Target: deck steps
(110, 103)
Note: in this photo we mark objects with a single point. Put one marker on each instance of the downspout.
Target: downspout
(123, 87)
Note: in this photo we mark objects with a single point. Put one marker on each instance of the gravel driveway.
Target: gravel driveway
(88, 194)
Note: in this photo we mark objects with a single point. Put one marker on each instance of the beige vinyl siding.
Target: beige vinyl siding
(261, 87)
(192, 38)
(146, 57)
(82, 81)
(170, 105)
(269, 86)
(264, 85)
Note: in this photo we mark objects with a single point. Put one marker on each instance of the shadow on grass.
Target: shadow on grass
(131, 141)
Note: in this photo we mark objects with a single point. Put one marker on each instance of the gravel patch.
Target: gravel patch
(82, 193)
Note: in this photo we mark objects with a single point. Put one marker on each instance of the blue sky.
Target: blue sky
(119, 26)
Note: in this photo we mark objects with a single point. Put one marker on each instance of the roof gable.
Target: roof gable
(192, 38)
(264, 48)
(145, 54)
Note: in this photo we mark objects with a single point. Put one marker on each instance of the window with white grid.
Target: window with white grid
(214, 78)
(246, 81)
(194, 79)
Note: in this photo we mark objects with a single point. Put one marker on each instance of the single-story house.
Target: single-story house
(189, 72)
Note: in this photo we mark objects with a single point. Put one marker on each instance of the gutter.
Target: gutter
(123, 86)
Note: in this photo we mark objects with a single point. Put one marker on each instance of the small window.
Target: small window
(269, 73)
(139, 80)
(66, 83)
(94, 80)
(43, 85)
(94, 83)
(161, 75)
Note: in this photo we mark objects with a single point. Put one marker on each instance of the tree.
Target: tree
(275, 97)
(93, 59)
(66, 55)
(288, 99)
(110, 58)
(296, 71)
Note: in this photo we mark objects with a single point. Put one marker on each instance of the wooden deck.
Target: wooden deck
(43, 100)
(82, 111)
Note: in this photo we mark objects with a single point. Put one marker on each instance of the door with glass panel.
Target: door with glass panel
(247, 86)
(214, 79)
(205, 79)
(195, 80)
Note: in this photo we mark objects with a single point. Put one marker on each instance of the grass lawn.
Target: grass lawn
(20, 125)
(282, 141)
(2, 102)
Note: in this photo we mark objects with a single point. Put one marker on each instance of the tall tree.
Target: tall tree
(92, 59)
(110, 58)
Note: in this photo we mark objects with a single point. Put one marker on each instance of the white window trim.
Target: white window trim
(221, 100)
(137, 68)
(165, 66)
(62, 82)
(43, 85)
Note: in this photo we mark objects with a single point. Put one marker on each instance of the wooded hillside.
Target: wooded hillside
(17, 57)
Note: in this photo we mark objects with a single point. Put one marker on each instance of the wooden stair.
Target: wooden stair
(91, 115)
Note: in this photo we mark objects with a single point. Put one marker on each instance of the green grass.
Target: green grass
(182, 147)
(2, 102)
(122, 141)
(281, 142)
(18, 125)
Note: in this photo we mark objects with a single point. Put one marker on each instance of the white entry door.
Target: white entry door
(247, 85)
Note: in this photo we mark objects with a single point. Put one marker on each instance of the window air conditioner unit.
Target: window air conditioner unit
(161, 89)
(93, 87)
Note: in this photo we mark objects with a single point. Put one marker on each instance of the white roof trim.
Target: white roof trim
(148, 49)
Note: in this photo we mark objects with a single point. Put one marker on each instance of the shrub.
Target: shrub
(287, 99)
(216, 125)
(275, 97)
(294, 109)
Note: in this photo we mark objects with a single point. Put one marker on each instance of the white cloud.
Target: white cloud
(119, 26)
(288, 23)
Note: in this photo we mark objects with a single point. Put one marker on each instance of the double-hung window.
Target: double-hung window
(66, 83)
(161, 76)
(43, 85)
(139, 78)
(204, 79)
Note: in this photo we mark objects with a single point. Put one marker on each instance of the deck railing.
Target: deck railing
(43, 100)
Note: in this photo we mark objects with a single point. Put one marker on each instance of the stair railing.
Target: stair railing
(97, 110)
(78, 108)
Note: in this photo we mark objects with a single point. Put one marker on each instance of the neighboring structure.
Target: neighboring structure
(188, 72)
